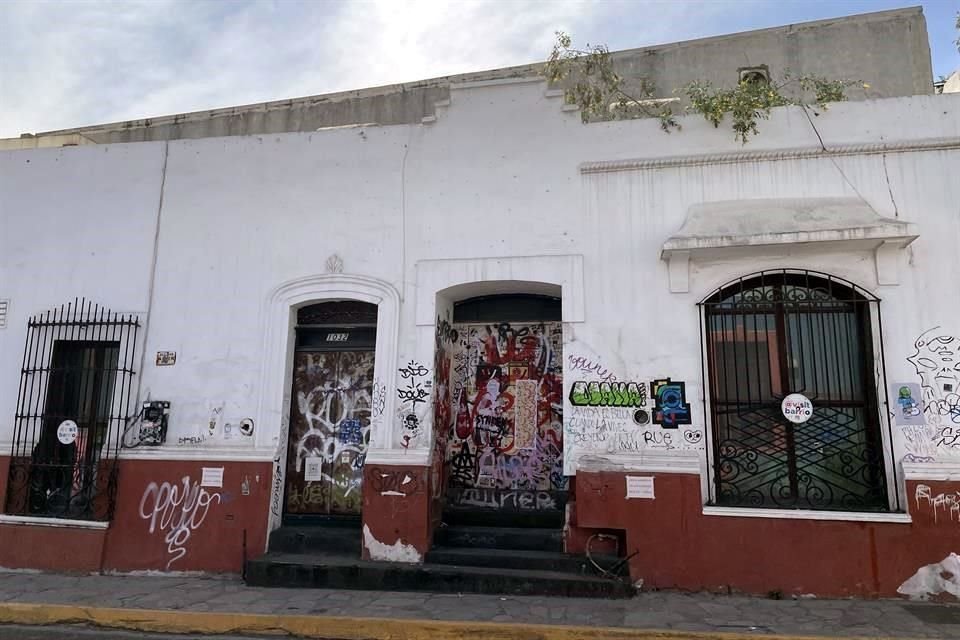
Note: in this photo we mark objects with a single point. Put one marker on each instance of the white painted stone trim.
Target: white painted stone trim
(800, 514)
(476, 84)
(220, 454)
(62, 523)
(678, 266)
(278, 320)
(398, 457)
(713, 230)
(435, 276)
(887, 259)
(935, 471)
(664, 162)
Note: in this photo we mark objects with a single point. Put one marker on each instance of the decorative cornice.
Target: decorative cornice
(772, 155)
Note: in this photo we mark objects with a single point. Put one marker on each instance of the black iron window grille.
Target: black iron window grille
(76, 385)
(783, 332)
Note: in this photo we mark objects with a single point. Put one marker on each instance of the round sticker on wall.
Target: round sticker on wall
(67, 432)
(796, 408)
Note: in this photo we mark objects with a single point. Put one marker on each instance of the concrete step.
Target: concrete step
(317, 539)
(518, 559)
(328, 571)
(519, 538)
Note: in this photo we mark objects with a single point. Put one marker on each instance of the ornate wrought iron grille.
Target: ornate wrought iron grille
(338, 312)
(783, 332)
(75, 388)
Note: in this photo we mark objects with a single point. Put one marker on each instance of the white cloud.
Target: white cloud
(78, 63)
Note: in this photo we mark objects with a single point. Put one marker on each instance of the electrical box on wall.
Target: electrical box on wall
(153, 425)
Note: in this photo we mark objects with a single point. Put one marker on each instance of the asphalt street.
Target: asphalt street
(16, 632)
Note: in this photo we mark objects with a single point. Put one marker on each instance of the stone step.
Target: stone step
(518, 559)
(328, 571)
(519, 538)
(317, 539)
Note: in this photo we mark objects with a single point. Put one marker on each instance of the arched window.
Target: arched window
(779, 333)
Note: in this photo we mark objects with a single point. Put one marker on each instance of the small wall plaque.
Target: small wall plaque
(166, 358)
(640, 487)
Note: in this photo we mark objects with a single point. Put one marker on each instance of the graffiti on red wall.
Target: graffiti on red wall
(393, 482)
(176, 510)
(504, 427)
(943, 505)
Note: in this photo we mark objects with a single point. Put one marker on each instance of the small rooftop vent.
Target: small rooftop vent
(760, 74)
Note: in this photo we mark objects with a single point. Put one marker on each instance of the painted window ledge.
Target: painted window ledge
(717, 229)
(801, 514)
(52, 522)
(932, 471)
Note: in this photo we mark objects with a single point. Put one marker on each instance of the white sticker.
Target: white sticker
(640, 487)
(313, 469)
(67, 432)
(796, 408)
(212, 477)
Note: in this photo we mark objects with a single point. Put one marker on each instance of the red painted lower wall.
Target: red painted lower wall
(4, 477)
(679, 547)
(24, 546)
(164, 520)
(396, 508)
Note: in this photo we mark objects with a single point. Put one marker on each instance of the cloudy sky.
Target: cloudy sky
(77, 62)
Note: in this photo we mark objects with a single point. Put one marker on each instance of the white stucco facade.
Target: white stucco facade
(214, 242)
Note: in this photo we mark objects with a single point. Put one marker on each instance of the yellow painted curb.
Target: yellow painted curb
(336, 627)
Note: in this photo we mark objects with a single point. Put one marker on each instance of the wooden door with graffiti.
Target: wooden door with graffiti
(504, 445)
(329, 430)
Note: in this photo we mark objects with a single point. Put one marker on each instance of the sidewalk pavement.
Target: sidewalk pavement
(204, 604)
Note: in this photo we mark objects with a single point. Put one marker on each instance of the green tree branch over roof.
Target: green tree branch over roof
(590, 81)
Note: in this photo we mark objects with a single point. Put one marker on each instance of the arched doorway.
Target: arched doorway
(779, 333)
(503, 426)
(330, 409)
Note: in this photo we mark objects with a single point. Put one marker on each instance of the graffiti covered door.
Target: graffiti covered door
(505, 440)
(329, 431)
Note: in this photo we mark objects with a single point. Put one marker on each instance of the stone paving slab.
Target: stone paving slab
(664, 610)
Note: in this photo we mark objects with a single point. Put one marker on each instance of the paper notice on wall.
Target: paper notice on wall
(525, 414)
(640, 487)
(212, 477)
(313, 469)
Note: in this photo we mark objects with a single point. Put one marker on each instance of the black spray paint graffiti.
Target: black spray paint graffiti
(378, 400)
(584, 365)
(514, 500)
(276, 500)
(937, 362)
(416, 392)
(671, 408)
